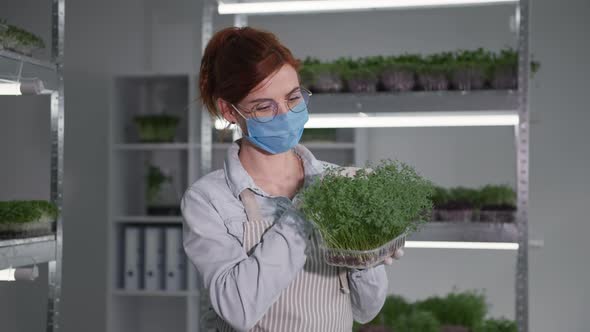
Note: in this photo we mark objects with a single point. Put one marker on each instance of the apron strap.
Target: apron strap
(251, 206)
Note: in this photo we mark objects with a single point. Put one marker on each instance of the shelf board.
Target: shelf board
(149, 219)
(162, 293)
(14, 57)
(478, 232)
(150, 146)
(26, 251)
(415, 101)
(46, 71)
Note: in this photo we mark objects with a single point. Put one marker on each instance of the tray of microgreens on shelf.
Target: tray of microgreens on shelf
(363, 215)
(22, 219)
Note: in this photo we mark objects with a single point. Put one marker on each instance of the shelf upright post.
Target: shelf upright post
(206, 133)
(57, 150)
(522, 134)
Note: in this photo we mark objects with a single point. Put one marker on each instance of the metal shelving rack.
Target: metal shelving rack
(44, 249)
(515, 102)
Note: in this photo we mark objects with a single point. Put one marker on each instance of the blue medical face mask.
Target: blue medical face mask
(281, 133)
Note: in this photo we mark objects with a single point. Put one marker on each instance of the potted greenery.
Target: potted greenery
(498, 203)
(162, 197)
(363, 215)
(470, 69)
(156, 128)
(19, 40)
(460, 205)
(26, 218)
(399, 73)
(457, 312)
(321, 77)
(434, 71)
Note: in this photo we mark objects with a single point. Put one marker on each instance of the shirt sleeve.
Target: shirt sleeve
(241, 287)
(368, 290)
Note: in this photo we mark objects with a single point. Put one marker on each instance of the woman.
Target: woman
(256, 255)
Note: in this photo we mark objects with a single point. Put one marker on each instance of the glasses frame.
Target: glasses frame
(276, 112)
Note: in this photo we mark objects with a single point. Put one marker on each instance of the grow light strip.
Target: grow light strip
(34, 87)
(462, 245)
(430, 119)
(318, 6)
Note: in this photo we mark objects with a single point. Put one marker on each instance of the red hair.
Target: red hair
(236, 60)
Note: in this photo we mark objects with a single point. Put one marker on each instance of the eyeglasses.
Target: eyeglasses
(267, 110)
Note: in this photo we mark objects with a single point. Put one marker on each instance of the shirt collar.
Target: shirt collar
(238, 179)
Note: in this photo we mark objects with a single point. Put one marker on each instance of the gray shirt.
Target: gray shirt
(213, 238)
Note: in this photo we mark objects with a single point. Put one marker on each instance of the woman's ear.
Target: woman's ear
(226, 110)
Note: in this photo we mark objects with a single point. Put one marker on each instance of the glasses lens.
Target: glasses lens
(265, 111)
(296, 98)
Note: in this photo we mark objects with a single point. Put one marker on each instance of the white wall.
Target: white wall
(107, 38)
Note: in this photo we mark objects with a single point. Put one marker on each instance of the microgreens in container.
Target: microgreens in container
(498, 325)
(498, 203)
(359, 76)
(461, 205)
(19, 40)
(458, 311)
(504, 70)
(362, 217)
(470, 69)
(21, 218)
(399, 73)
(433, 73)
(417, 320)
(394, 307)
(320, 77)
(440, 197)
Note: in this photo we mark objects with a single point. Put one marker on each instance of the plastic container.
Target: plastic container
(40, 227)
(360, 259)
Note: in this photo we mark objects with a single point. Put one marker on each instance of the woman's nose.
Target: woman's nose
(282, 108)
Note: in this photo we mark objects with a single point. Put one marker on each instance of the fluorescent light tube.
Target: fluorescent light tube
(342, 5)
(462, 245)
(7, 274)
(430, 119)
(34, 87)
(25, 273)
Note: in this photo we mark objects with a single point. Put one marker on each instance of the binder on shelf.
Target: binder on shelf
(175, 260)
(133, 264)
(154, 258)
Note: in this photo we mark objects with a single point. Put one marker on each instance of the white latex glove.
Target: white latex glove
(396, 256)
